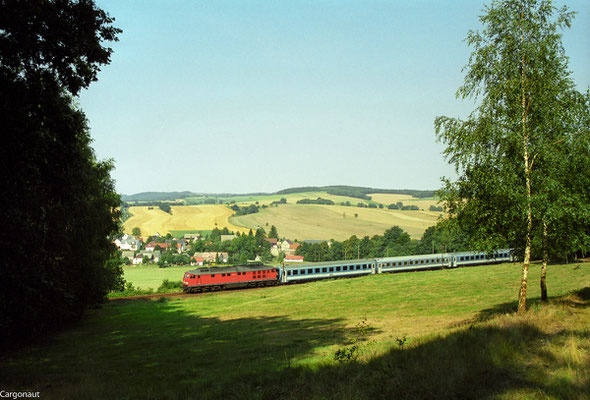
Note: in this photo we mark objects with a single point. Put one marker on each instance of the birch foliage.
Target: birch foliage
(515, 152)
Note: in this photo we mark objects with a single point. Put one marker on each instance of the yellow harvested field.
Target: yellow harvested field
(203, 217)
(303, 221)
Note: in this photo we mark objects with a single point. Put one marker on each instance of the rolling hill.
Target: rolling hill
(293, 221)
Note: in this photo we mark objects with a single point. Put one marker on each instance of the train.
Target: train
(245, 276)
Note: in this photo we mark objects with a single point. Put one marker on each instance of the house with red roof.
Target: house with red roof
(290, 258)
(197, 260)
(152, 245)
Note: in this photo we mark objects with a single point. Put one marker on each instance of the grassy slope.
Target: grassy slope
(280, 342)
(302, 221)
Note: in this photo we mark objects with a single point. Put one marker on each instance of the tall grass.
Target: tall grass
(440, 334)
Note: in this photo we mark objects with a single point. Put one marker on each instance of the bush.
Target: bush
(319, 200)
(168, 286)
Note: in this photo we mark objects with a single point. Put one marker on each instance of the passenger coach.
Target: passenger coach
(329, 269)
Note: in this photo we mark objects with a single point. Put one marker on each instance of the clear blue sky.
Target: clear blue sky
(257, 96)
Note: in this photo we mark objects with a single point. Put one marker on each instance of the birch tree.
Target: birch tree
(505, 152)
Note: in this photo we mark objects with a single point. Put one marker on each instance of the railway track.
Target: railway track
(178, 294)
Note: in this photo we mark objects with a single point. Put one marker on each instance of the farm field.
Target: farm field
(151, 276)
(308, 221)
(203, 217)
(386, 199)
(457, 340)
(291, 198)
(293, 221)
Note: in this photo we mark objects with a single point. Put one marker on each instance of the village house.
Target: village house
(152, 256)
(128, 254)
(128, 242)
(293, 259)
(197, 260)
(293, 248)
(192, 236)
(212, 256)
(180, 245)
(152, 245)
(288, 247)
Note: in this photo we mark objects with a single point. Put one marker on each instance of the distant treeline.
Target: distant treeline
(165, 206)
(357, 192)
(157, 196)
(338, 190)
(400, 206)
(125, 214)
(319, 200)
(394, 242)
(251, 209)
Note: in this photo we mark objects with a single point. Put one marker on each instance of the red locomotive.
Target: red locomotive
(239, 276)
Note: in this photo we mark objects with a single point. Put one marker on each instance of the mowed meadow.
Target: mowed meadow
(310, 221)
(437, 334)
(293, 221)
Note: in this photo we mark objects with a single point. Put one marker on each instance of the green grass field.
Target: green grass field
(444, 334)
(151, 276)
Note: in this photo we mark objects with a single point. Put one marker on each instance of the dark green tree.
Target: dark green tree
(59, 207)
(503, 152)
(273, 232)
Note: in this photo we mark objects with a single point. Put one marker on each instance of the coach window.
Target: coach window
(213, 276)
(345, 268)
(317, 270)
(310, 271)
(331, 269)
(337, 269)
(324, 269)
(288, 272)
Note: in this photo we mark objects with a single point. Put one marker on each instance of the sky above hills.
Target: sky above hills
(257, 96)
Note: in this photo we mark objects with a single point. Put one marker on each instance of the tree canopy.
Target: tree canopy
(59, 205)
(513, 154)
